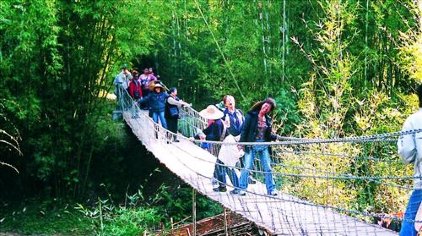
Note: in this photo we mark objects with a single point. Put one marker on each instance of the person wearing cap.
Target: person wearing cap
(257, 128)
(215, 127)
(156, 101)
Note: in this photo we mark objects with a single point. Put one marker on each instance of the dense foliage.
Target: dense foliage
(336, 68)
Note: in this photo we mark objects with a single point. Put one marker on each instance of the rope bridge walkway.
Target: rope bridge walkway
(326, 186)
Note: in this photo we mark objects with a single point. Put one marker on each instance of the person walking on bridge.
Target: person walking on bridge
(229, 154)
(258, 128)
(156, 100)
(121, 83)
(172, 111)
(216, 131)
(410, 150)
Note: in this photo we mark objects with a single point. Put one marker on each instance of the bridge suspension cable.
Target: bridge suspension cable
(220, 51)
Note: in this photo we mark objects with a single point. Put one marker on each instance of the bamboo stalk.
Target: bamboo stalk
(366, 44)
(284, 28)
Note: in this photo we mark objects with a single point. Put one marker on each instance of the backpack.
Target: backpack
(224, 134)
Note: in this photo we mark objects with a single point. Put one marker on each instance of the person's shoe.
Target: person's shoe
(220, 189)
(273, 193)
(235, 191)
(214, 182)
(176, 140)
(251, 181)
(242, 193)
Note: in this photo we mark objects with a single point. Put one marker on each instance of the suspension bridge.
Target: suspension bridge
(317, 187)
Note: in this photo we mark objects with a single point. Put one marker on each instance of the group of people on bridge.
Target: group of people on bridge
(228, 124)
(151, 94)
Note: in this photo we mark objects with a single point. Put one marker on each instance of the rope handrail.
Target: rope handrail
(290, 199)
(190, 112)
(375, 138)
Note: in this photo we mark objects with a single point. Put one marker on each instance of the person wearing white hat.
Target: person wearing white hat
(211, 113)
(216, 131)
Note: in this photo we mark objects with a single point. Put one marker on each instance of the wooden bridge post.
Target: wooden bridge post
(225, 222)
(194, 210)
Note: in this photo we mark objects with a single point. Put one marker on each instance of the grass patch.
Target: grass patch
(46, 217)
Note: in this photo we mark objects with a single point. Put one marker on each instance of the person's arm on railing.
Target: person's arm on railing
(179, 103)
(144, 100)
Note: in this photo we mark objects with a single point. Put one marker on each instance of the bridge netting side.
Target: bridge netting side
(342, 186)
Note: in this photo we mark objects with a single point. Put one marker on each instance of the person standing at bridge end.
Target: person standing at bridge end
(410, 150)
(258, 128)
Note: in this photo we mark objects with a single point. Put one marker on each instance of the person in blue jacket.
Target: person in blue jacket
(156, 101)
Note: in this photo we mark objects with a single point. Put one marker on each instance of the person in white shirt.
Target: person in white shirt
(410, 150)
(121, 83)
(123, 78)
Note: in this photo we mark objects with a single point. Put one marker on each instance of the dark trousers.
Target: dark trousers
(220, 172)
(172, 125)
(144, 106)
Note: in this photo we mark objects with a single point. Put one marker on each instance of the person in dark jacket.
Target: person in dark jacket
(215, 128)
(157, 103)
(258, 128)
(216, 131)
(172, 111)
(234, 117)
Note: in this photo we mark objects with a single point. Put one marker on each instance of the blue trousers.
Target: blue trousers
(221, 172)
(159, 115)
(408, 224)
(264, 156)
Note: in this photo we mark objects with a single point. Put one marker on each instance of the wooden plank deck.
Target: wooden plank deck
(281, 215)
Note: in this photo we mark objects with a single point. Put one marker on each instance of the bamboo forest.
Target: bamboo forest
(126, 117)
